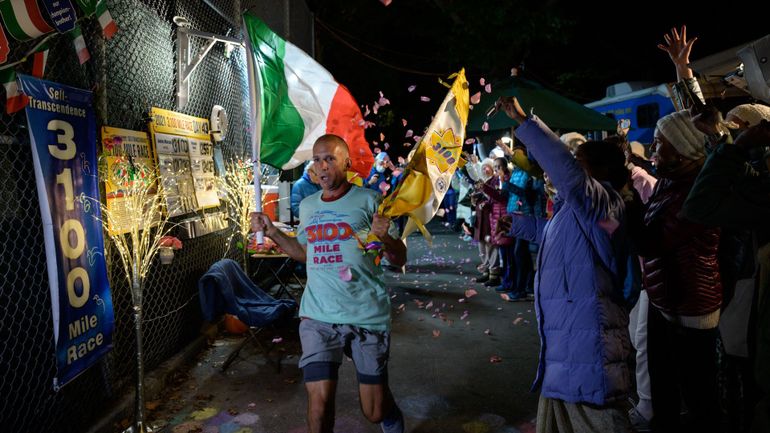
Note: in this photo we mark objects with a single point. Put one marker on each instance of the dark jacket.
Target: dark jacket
(681, 269)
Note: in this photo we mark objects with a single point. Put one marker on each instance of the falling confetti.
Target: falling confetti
(403, 121)
(485, 127)
(383, 101)
(494, 359)
(409, 133)
(424, 99)
(277, 340)
(471, 293)
(461, 300)
(488, 88)
(345, 273)
(411, 88)
(465, 315)
(476, 98)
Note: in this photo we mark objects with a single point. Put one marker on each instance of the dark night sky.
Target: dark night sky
(576, 48)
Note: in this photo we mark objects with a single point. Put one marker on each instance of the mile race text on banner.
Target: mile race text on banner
(185, 160)
(62, 129)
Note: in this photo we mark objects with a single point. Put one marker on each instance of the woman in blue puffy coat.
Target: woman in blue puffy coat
(582, 318)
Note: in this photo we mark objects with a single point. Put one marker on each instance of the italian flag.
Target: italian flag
(23, 19)
(14, 99)
(5, 49)
(99, 8)
(39, 60)
(76, 35)
(299, 102)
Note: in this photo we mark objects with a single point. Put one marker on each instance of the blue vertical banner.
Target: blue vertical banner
(62, 130)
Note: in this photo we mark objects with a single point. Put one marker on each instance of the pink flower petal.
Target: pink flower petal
(488, 88)
(436, 333)
(465, 315)
(403, 121)
(518, 320)
(409, 133)
(411, 88)
(386, 146)
(367, 112)
(470, 141)
(417, 138)
(384, 187)
(375, 107)
(476, 98)
(277, 340)
(429, 305)
(382, 136)
(494, 359)
(487, 331)
(345, 273)
(482, 81)
(424, 99)
(485, 126)
(383, 101)
(461, 300)
(386, 2)
(471, 293)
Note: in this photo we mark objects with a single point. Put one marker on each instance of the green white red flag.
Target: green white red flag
(299, 101)
(23, 19)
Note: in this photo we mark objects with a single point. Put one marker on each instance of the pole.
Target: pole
(256, 130)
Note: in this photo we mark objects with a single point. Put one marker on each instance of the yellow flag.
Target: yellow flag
(428, 174)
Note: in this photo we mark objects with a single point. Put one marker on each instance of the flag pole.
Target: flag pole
(256, 129)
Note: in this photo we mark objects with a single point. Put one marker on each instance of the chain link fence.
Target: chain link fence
(128, 74)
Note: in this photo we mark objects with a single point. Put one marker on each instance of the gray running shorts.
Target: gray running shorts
(324, 344)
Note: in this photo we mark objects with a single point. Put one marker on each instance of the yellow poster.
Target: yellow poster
(129, 158)
(185, 158)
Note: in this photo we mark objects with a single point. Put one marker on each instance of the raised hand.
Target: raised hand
(512, 108)
(678, 48)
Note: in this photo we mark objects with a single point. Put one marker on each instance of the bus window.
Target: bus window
(647, 115)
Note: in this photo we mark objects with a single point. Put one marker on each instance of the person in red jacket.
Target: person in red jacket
(681, 276)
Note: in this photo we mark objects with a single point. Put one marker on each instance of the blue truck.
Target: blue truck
(642, 103)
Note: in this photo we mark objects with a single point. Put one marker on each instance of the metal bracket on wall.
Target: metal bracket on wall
(186, 63)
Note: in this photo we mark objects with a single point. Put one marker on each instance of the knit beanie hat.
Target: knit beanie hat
(573, 140)
(683, 135)
(749, 113)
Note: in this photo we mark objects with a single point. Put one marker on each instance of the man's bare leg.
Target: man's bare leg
(379, 407)
(320, 406)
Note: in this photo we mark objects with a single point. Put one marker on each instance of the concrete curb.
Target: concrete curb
(154, 383)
